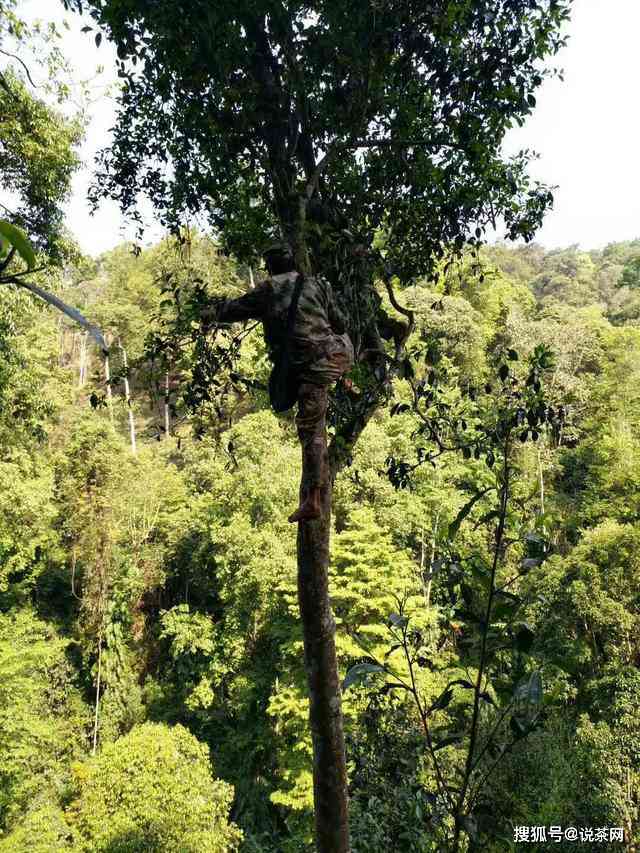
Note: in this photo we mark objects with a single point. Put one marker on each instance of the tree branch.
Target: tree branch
(27, 72)
(353, 144)
(8, 259)
(50, 299)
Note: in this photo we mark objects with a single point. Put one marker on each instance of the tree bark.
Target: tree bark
(82, 367)
(97, 705)
(127, 394)
(107, 379)
(167, 410)
(325, 700)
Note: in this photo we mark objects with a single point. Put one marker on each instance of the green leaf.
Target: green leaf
(398, 621)
(487, 517)
(357, 673)
(442, 701)
(19, 241)
(464, 512)
(461, 682)
(408, 371)
(454, 737)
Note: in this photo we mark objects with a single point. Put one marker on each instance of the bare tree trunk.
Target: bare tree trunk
(325, 701)
(422, 559)
(433, 556)
(96, 716)
(107, 379)
(167, 413)
(82, 368)
(61, 341)
(127, 394)
(251, 280)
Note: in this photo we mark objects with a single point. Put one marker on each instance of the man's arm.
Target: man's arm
(251, 306)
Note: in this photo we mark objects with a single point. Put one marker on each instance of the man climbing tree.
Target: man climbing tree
(306, 335)
(368, 136)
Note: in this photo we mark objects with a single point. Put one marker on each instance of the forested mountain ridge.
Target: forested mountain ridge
(149, 597)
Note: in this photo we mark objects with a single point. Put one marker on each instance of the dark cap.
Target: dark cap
(279, 258)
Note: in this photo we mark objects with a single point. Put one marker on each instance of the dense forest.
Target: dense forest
(151, 674)
(443, 654)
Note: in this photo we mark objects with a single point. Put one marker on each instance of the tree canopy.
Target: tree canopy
(182, 555)
(38, 141)
(381, 117)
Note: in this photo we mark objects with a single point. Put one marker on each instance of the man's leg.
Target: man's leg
(311, 422)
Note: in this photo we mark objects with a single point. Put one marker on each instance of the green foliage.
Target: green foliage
(39, 160)
(42, 717)
(14, 238)
(178, 565)
(43, 830)
(152, 790)
(394, 67)
(368, 575)
(390, 804)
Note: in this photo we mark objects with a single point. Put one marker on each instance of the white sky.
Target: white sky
(585, 129)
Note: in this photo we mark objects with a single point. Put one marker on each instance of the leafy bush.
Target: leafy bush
(152, 790)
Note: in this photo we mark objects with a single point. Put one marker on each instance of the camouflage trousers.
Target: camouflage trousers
(313, 399)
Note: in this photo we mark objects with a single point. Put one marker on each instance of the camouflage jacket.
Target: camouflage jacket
(317, 318)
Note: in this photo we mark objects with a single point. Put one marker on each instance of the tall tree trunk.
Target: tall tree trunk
(107, 379)
(97, 706)
(433, 557)
(167, 411)
(82, 369)
(330, 794)
(325, 701)
(127, 394)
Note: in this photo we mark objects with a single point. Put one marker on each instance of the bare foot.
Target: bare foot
(308, 509)
(304, 513)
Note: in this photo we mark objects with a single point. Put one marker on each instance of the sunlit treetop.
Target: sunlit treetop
(316, 118)
(37, 141)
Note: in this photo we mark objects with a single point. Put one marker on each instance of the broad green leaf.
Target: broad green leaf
(358, 672)
(18, 240)
(442, 701)
(454, 737)
(464, 512)
(398, 621)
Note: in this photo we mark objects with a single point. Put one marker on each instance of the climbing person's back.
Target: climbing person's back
(315, 322)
